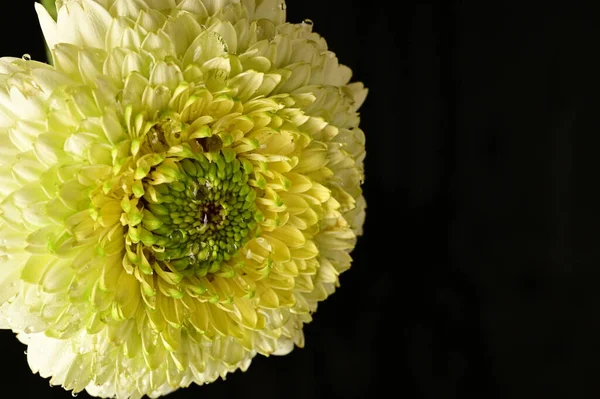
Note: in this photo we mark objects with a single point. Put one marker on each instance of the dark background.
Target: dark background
(478, 272)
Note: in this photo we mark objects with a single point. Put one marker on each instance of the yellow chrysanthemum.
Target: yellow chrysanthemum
(177, 192)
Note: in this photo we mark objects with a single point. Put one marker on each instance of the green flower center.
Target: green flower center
(203, 217)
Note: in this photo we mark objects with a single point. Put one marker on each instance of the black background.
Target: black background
(477, 275)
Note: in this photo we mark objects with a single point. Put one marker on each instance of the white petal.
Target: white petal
(195, 7)
(183, 29)
(160, 45)
(166, 74)
(13, 317)
(128, 8)
(65, 59)
(118, 28)
(27, 106)
(161, 4)
(273, 10)
(284, 346)
(49, 357)
(9, 278)
(49, 79)
(90, 65)
(207, 45)
(299, 78)
(133, 62)
(358, 92)
(155, 99)
(150, 20)
(334, 73)
(213, 6)
(227, 32)
(246, 83)
(47, 24)
(83, 23)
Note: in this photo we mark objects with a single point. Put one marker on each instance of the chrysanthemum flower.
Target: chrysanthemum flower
(178, 191)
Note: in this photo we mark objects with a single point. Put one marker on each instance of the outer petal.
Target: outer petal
(83, 23)
(48, 25)
(273, 10)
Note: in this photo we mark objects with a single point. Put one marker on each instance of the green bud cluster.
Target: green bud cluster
(202, 218)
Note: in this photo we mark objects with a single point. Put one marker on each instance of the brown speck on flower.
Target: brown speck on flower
(210, 144)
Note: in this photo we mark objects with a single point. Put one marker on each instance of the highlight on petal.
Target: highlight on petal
(178, 192)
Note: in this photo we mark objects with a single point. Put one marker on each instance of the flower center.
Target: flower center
(202, 217)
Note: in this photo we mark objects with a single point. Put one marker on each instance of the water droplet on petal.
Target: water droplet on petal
(308, 22)
(26, 57)
(25, 353)
(282, 6)
(74, 394)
